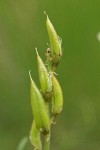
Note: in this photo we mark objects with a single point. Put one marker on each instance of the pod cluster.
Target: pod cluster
(46, 101)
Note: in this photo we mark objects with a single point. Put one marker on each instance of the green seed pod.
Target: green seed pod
(57, 101)
(38, 107)
(45, 79)
(55, 43)
(35, 137)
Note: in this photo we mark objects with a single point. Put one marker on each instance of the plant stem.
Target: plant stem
(47, 136)
(47, 141)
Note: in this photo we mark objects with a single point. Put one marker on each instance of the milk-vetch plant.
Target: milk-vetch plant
(46, 102)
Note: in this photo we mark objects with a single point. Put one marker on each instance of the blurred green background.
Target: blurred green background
(22, 28)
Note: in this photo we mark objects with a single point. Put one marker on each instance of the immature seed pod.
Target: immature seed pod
(45, 79)
(39, 109)
(55, 43)
(57, 101)
(35, 137)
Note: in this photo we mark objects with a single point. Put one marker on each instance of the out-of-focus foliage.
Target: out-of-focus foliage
(22, 28)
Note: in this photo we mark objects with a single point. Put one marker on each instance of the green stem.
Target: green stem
(47, 136)
(47, 141)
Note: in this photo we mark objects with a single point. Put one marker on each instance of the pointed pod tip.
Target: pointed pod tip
(36, 51)
(30, 75)
(46, 14)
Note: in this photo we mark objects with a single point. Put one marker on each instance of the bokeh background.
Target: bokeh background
(22, 28)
